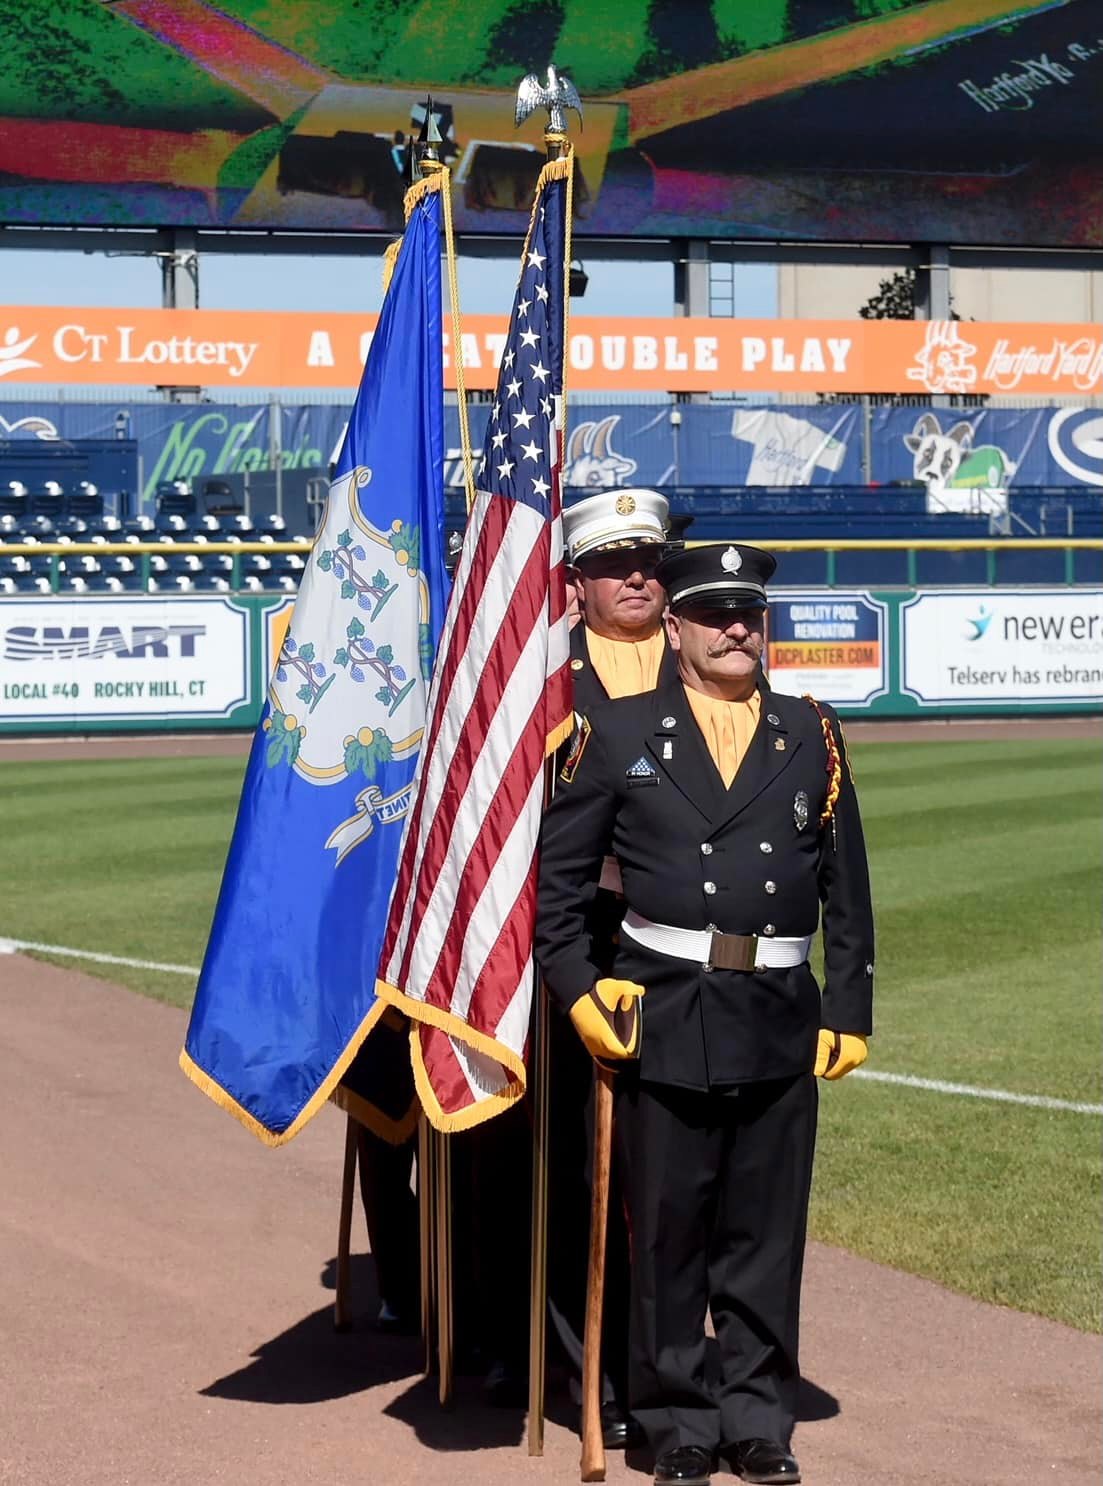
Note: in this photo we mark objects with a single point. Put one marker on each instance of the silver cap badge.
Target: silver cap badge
(731, 561)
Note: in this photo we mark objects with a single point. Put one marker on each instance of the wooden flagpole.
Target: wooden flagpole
(592, 1467)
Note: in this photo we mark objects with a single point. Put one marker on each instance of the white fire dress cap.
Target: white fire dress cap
(615, 518)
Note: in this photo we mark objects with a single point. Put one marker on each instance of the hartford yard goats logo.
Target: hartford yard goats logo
(347, 696)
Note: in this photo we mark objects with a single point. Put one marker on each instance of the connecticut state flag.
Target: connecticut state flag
(287, 990)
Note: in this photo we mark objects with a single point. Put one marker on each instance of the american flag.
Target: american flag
(457, 954)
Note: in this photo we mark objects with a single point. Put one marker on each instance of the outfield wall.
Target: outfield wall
(140, 663)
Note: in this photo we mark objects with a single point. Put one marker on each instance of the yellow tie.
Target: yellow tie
(727, 727)
(626, 667)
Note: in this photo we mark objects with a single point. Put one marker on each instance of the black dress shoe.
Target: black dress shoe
(619, 1431)
(687, 1465)
(764, 1462)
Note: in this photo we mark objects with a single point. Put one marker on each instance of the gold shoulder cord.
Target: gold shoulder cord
(834, 763)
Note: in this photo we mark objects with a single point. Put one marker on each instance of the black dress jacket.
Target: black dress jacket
(751, 859)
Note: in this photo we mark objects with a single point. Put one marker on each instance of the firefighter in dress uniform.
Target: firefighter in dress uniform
(614, 541)
(731, 811)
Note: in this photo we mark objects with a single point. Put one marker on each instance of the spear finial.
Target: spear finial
(427, 148)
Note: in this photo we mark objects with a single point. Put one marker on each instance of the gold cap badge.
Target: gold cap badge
(626, 504)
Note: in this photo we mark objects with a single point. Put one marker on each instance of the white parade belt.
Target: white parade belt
(713, 950)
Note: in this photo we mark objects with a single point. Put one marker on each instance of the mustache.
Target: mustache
(726, 647)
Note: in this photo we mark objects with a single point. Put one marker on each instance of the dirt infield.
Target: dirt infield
(165, 1294)
(231, 745)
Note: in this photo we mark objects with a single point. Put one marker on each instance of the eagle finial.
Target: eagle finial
(557, 95)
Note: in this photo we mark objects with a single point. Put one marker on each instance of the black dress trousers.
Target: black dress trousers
(718, 1187)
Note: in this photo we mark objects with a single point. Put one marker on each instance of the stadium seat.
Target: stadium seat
(210, 583)
(173, 526)
(273, 527)
(48, 500)
(71, 527)
(105, 529)
(14, 500)
(85, 502)
(139, 528)
(175, 498)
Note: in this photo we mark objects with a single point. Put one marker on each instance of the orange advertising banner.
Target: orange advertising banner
(214, 348)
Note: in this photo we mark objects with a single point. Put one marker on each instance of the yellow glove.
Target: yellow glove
(839, 1053)
(607, 1018)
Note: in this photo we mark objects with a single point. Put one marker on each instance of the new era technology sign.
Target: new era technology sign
(1033, 647)
(123, 660)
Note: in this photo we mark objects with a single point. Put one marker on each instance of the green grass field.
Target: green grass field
(986, 861)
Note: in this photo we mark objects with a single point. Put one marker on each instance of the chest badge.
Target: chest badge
(779, 745)
(800, 810)
(641, 769)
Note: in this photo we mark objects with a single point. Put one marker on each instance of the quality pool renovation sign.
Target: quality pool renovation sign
(1035, 647)
(830, 644)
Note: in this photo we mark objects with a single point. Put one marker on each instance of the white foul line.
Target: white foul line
(907, 1080)
(9, 947)
(936, 1086)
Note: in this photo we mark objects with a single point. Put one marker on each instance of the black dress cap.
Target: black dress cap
(717, 576)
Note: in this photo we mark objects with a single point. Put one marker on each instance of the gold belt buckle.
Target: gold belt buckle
(733, 951)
